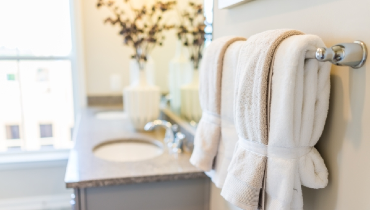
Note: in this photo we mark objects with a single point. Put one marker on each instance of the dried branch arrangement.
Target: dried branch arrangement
(191, 31)
(141, 28)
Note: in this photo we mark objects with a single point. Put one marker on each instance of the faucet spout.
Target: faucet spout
(173, 139)
(169, 136)
(162, 123)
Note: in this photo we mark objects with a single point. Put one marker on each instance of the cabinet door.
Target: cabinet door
(170, 195)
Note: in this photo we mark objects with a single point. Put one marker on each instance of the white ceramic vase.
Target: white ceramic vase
(190, 105)
(180, 73)
(149, 70)
(141, 101)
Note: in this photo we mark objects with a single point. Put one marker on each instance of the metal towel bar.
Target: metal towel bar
(344, 54)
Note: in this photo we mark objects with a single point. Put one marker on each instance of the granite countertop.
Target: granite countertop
(84, 169)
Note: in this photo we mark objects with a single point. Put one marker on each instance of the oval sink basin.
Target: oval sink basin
(128, 150)
(112, 115)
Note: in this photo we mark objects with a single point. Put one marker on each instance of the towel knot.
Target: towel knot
(274, 151)
(211, 117)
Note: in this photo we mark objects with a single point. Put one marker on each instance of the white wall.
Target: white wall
(106, 55)
(345, 144)
(33, 179)
(34, 185)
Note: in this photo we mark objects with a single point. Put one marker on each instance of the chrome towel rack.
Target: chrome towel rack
(344, 54)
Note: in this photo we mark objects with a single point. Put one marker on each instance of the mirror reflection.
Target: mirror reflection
(163, 43)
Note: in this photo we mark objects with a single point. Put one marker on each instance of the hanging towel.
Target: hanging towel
(246, 171)
(229, 136)
(299, 106)
(207, 136)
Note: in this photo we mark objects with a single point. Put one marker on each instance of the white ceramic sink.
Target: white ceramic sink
(128, 150)
(112, 115)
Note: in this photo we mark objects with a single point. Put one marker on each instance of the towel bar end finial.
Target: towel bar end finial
(345, 54)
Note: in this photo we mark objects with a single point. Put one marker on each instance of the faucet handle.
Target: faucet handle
(175, 128)
(178, 144)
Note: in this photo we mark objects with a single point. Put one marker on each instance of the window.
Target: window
(35, 75)
(12, 140)
(46, 131)
(12, 132)
(42, 75)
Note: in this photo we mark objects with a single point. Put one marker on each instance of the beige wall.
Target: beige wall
(106, 55)
(345, 143)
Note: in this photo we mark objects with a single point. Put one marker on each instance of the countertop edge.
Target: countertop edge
(136, 180)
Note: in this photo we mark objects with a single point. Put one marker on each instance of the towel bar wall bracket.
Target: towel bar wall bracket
(344, 54)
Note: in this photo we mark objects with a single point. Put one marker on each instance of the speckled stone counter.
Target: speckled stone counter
(85, 170)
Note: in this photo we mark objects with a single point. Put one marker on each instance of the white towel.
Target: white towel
(246, 171)
(229, 136)
(299, 105)
(207, 136)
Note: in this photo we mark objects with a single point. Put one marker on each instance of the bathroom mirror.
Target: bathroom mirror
(181, 30)
(183, 95)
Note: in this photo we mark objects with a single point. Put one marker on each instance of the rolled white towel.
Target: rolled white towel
(207, 136)
(299, 106)
(229, 136)
(246, 171)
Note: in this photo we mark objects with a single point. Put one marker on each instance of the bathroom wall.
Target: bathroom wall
(34, 185)
(41, 180)
(345, 143)
(106, 56)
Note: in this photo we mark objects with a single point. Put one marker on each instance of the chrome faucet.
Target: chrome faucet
(173, 139)
(178, 146)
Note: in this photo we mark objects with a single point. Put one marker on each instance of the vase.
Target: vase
(180, 73)
(141, 101)
(190, 105)
(149, 70)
